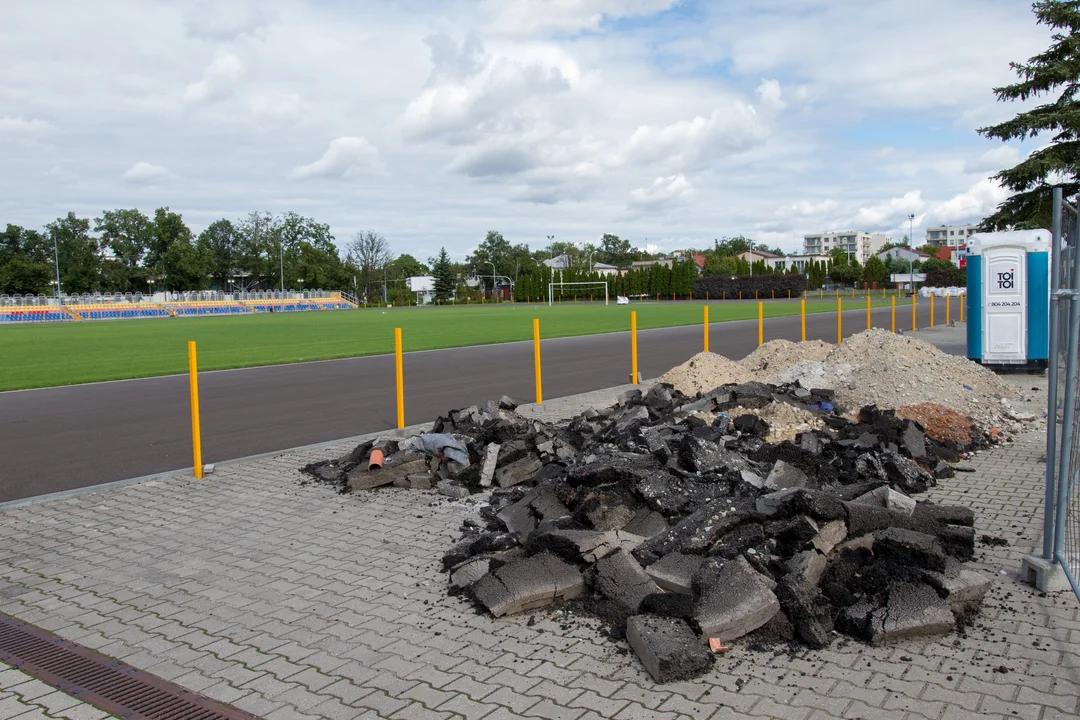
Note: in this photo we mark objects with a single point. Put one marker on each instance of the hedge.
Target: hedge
(721, 287)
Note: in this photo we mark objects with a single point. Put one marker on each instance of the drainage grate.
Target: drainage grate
(102, 681)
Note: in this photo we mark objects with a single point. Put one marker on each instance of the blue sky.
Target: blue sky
(434, 122)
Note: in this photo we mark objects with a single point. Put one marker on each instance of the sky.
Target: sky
(667, 122)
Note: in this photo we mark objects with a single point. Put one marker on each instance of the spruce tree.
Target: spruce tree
(1055, 71)
(443, 272)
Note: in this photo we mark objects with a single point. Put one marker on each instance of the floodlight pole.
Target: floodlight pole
(281, 270)
(911, 245)
(56, 257)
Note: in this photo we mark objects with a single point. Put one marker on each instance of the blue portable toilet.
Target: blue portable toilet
(1008, 298)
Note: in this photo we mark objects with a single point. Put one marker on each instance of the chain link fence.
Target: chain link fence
(1061, 536)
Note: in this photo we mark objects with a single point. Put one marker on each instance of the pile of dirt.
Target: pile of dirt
(704, 372)
(941, 423)
(891, 370)
(778, 355)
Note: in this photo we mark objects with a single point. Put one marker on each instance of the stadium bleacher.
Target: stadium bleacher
(118, 311)
(30, 313)
(18, 309)
(208, 307)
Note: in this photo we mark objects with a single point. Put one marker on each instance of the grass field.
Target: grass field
(65, 354)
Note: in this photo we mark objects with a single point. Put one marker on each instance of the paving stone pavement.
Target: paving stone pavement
(291, 601)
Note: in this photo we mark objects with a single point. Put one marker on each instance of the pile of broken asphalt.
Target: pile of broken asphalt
(683, 529)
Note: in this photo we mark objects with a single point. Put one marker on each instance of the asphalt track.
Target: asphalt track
(62, 438)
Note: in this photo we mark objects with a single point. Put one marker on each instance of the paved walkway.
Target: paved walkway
(290, 601)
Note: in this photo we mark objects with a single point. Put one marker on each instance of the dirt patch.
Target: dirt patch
(778, 355)
(704, 372)
(941, 423)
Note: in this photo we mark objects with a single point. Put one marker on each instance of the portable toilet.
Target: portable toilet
(1008, 298)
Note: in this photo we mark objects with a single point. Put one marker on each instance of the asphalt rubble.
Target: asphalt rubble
(673, 519)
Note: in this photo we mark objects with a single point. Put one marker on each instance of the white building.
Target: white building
(949, 235)
(605, 269)
(904, 253)
(753, 256)
(800, 261)
(859, 245)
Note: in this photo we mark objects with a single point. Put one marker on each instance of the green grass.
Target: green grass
(64, 354)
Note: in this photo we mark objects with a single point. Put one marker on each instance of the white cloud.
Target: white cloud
(993, 160)
(884, 213)
(144, 173)
(471, 93)
(527, 16)
(345, 158)
(978, 201)
(22, 127)
(221, 21)
(283, 106)
(219, 79)
(525, 116)
(665, 192)
(805, 208)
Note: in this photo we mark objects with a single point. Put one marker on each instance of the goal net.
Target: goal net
(558, 289)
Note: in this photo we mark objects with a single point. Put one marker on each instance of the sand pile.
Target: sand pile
(875, 367)
(779, 355)
(705, 372)
(891, 371)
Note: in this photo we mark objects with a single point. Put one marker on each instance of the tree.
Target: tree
(445, 279)
(26, 261)
(220, 243)
(406, 265)
(308, 252)
(259, 237)
(497, 250)
(615, 251)
(78, 250)
(370, 253)
(874, 271)
(168, 229)
(1056, 70)
(127, 234)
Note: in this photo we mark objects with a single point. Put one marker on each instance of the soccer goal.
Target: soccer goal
(558, 287)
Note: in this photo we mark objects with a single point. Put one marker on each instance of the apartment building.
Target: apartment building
(859, 245)
(949, 235)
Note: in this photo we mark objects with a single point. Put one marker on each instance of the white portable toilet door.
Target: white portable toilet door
(1005, 314)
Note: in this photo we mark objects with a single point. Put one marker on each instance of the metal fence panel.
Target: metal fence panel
(1063, 403)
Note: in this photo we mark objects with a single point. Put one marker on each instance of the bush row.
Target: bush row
(718, 287)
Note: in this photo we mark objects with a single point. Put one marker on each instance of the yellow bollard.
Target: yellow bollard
(400, 377)
(760, 324)
(894, 314)
(802, 316)
(755, 294)
(706, 328)
(852, 293)
(774, 294)
(839, 320)
(931, 311)
(196, 431)
(706, 296)
(948, 310)
(963, 301)
(868, 325)
(740, 294)
(789, 294)
(536, 359)
(633, 347)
